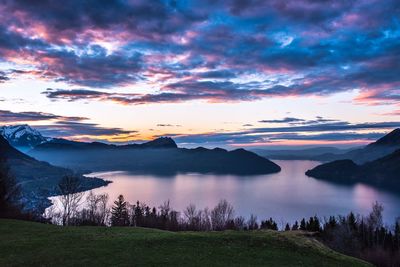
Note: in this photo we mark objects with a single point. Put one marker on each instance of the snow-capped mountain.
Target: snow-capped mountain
(22, 137)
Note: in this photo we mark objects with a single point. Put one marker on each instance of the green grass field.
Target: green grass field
(34, 244)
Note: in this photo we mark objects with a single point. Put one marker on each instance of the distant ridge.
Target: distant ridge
(160, 142)
(60, 143)
(391, 139)
(164, 142)
(380, 148)
(160, 156)
(384, 171)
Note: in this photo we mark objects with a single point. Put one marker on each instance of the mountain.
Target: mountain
(22, 137)
(300, 154)
(380, 148)
(38, 179)
(392, 139)
(160, 156)
(161, 142)
(383, 172)
(344, 171)
(60, 144)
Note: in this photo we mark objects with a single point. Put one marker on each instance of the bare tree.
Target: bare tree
(70, 197)
(190, 212)
(165, 208)
(240, 223)
(91, 204)
(103, 210)
(375, 218)
(192, 217)
(97, 208)
(221, 215)
(206, 220)
(252, 222)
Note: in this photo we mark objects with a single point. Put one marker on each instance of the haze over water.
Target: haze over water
(286, 196)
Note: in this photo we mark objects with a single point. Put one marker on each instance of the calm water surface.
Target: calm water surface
(286, 196)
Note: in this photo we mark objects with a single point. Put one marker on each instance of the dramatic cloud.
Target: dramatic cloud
(62, 126)
(216, 95)
(171, 51)
(72, 129)
(29, 116)
(91, 68)
(233, 139)
(208, 50)
(328, 131)
(284, 120)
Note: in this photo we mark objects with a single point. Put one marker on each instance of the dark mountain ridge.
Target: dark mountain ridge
(60, 143)
(160, 156)
(300, 154)
(384, 171)
(38, 179)
(391, 139)
(380, 148)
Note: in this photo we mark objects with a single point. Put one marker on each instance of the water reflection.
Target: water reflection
(285, 196)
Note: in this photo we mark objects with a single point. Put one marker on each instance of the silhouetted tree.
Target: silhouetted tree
(352, 221)
(71, 194)
(192, 217)
(397, 235)
(240, 223)
(119, 212)
(303, 225)
(221, 215)
(287, 227)
(375, 219)
(313, 224)
(9, 192)
(295, 226)
(252, 222)
(269, 224)
(95, 211)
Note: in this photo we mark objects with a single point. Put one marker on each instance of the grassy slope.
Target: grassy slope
(33, 244)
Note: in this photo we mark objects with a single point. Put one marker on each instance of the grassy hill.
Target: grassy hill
(34, 244)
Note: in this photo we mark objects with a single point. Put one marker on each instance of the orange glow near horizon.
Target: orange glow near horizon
(303, 143)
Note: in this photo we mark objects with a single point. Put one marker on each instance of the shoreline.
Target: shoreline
(36, 203)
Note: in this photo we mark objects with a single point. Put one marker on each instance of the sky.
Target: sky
(232, 73)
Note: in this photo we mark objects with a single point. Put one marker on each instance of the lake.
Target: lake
(286, 196)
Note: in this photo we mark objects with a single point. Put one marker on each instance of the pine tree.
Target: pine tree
(269, 224)
(332, 222)
(310, 224)
(287, 227)
(295, 226)
(303, 224)
(352, 221)
(317, 225)
(138, 214)
(119, 213)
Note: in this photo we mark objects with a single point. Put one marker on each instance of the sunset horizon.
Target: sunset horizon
(229, 74)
